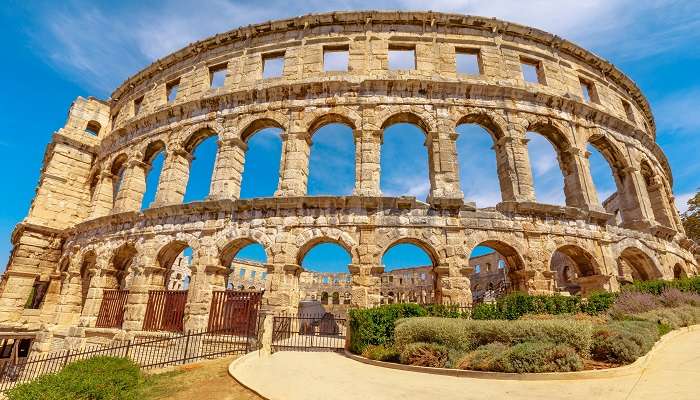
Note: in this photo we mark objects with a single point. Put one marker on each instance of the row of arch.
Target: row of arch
(651, 194)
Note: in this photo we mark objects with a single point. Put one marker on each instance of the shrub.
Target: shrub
(523, 357)
(98, 378)
(425, 355)
(691, 284)
(486, 311)
(381, 353)
(445, 311)
(672, 297)
(375, 326)
(598, 302)
(631, 302)
(673, 318)
(515, 305)
(623, 342)
(465, 335)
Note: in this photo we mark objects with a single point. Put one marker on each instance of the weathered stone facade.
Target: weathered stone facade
(85, 232)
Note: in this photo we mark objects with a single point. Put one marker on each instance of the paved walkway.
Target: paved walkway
(672, 373)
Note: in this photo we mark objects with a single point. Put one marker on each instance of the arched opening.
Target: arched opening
(175, 259)
(607, 167)
(93, 128)
(409, 265)
(479, 170)
(262, 161)
(404, 159)
(571, 266)
(657, 194)
(247, 264)
(154, 158)
(86, 270)
(332, 160)
(679, 272)
(506, 271)
(325, 263)
(117, 170)
(118, 276)
(635, 265)
(547, 175)
(202, 145)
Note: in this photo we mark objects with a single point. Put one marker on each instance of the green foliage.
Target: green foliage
(425, 355)
(598, 302)
(515, 305)
(523, 357)
(691, 218)
(466, 335)
(674, 318)
(623, 342)
(690, 284)
(446, 311)
(381, 353)
(98, 378)
(375, 326)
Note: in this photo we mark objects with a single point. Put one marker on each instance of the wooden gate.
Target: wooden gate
(234, 312)
(165, 310)
(111, 313)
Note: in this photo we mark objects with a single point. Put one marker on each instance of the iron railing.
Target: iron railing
(323, 332)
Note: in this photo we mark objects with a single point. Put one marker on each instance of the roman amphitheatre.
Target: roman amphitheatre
(88, 260)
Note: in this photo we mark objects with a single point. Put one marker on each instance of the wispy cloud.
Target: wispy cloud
(100, 46)
(678, 112)
(682, 201)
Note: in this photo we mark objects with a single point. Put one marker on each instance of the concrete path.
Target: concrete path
(673, 372)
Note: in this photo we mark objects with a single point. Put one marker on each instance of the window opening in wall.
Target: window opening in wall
(336, 58)
(501, 264)
(217, 76)
(114, 118)
(468, 61)
(477, 269)
(588, 90)
(252, 274)
(36, 296)
(273, 65)
(402, 58)
(241, 273)
(93, 128)
(628, 110)
(532, 71)
(137, 105)
(171, 90)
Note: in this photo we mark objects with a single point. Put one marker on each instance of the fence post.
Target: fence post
(128, 347)
(266, 339)
(65, 359)
(187, 345)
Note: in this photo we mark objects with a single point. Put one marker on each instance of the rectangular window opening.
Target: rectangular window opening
(532, 71)
(36, 297)
(273, 65)
(137, 105)
(468, 61)
(336, 58)
(402, 58)
(628, 110)
(93, 128)
(217, 76)
(588, 90)
(171, 90)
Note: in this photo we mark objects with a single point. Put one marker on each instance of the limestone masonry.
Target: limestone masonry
(85, 233)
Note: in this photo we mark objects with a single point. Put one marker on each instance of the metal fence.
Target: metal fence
(148, 352)
(323, 332)
(233, 310)
(165, 310)
(111, 313)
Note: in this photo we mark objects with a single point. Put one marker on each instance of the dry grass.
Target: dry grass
(204, 380)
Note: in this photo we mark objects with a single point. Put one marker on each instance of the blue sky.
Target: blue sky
(56, 51)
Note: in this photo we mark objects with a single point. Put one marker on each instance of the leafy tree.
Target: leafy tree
(691, 218)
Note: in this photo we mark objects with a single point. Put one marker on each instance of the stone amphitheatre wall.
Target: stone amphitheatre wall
(82, 237)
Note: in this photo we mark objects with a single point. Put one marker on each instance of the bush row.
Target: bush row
(691, 284)
(515, 305)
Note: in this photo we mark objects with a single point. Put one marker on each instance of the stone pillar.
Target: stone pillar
(93, 300)
(578, 183)
(145, 278)
(282, 288)
(453, 285)
(368, 144)
(206, 277)
(443, 165)
(294, 166)
(71, 304)
(228, 170)
(514, 172)
(17, 287)
(173, 178)
(103, 198)
(366, 285)
(659, 202)
(634, 205)
(133, 187)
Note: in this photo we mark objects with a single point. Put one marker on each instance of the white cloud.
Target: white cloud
(682, 201)
(678, 112)
(100, 47)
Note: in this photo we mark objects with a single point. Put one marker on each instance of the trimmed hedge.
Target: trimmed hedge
(98, 378)
(381, 353)
(691, 284)
(515, 305)
(523, 357)
(375, 326)
(467, 335)
(623, 342)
